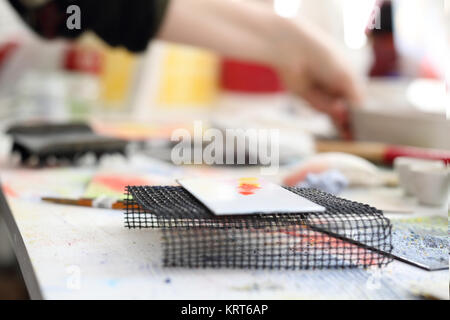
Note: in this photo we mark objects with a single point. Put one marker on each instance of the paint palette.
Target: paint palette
(241, 196)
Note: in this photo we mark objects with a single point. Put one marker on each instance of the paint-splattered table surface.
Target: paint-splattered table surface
(82, 253)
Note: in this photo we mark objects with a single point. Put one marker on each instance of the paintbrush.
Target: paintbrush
(380, 152)
(100, 202)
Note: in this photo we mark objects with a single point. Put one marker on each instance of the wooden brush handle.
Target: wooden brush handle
(373, 152)
(380, 152)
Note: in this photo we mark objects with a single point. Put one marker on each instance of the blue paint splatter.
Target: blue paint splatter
(422, 240)
(112, 282)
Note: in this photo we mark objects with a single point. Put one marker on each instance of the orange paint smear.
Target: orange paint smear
(248, 189)
(359, 256)
(248, 186)
(9, 191)
(119, 183)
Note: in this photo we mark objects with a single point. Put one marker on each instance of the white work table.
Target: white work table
(68, 252)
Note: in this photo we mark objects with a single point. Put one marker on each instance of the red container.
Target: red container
(6, 51)
(248, 77)
(83, 59)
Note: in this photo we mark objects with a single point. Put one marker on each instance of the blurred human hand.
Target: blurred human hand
(306, 59)
(311, 66)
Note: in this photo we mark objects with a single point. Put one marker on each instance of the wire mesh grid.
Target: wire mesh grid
(347, 235)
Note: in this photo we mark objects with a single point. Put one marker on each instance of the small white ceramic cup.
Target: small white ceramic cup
(431, 185)
(403, 166)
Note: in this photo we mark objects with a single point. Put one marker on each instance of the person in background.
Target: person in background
(307, 61)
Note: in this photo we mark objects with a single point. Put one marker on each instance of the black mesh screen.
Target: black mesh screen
(347, 234)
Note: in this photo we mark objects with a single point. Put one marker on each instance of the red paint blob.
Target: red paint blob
(247, 189)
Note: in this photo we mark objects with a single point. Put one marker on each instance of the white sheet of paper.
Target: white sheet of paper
(239, 196)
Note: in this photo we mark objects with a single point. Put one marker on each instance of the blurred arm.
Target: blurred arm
(306, 59)
(243, 30)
